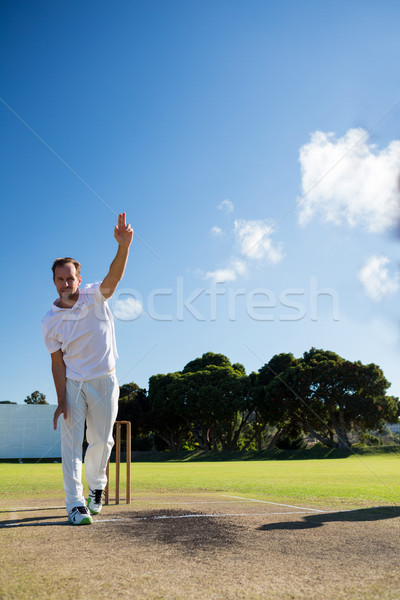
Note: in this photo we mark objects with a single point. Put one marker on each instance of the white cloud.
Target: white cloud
(347, 180)
(226, 205)
(216, 230)
(128, 309)
(254, 238)
(230, 273)
(376, 279)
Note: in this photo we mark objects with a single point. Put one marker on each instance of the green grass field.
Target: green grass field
(370, 478)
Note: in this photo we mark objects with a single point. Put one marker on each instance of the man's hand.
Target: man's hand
(61, 409)
(58, 369)
(123, 233)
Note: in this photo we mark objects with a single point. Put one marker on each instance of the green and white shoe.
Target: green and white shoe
(80, 516)
(94, 501)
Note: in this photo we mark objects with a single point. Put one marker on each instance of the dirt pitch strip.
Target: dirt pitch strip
(210, 546)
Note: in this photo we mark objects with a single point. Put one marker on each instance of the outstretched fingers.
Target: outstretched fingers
(121, 222)
(122, 225)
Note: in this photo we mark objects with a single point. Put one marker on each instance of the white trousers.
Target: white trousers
(95, 401)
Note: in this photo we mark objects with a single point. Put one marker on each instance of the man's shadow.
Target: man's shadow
(376, 513)
(30, 521)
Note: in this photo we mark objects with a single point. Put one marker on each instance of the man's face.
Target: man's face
(66, 281)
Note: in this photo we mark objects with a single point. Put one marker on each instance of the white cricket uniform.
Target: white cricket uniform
(85, 335)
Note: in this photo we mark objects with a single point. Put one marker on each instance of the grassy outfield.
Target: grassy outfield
(368, 478)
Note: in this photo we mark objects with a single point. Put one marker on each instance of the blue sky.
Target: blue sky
(255, 148)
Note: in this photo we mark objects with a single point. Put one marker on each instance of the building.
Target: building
(26, 431)
(394, 428)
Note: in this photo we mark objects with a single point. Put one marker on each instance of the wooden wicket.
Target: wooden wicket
(118, 425)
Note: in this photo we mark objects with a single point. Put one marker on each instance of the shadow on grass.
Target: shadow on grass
(18, 510)
(274, 454)
(32, 522)
(220, 456)
(378, 513)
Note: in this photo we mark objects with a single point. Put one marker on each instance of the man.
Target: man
(79, 334)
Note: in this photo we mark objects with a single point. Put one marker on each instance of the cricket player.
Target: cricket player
(79, 333)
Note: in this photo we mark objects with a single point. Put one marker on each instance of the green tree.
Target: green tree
(166, 408)
(217, 404)
(36, 398)
(134, 406)
(207, 360)
(206, 404)
(273, 401)
(329, 396)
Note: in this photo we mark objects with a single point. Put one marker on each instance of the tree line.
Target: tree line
(35, 398)
(213, 405)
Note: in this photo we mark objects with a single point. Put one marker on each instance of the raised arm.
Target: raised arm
(58, 370)
(123, 233)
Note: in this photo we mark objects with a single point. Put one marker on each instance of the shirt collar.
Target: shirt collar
(80, 301)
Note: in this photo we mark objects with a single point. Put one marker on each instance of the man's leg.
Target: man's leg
(72, 430)
(102, 406)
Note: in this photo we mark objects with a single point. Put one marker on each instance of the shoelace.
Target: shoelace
(97, 496)
(81, 509)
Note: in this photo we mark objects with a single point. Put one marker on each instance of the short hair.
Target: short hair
(61, 262)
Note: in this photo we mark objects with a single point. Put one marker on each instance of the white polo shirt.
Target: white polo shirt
(85, 334)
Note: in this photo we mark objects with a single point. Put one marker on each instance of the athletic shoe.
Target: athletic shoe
(94, 501)
(79, 516)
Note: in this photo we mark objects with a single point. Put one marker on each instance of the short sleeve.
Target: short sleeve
(92, 291)
(51, 343)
